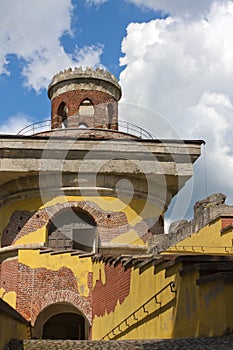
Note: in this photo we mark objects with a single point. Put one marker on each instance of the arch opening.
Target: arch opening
(63, 114)
(110, 115)
(64, 326)
(86, 108)
(61, 321)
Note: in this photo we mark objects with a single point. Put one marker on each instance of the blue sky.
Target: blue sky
(173, 59)
(90, 25)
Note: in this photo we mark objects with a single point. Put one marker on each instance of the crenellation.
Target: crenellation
(79, 73)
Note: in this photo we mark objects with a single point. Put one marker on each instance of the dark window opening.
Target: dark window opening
(72, 230)
(110, 115)
(62, 113)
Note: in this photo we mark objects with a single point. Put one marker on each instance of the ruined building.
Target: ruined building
(83, 251)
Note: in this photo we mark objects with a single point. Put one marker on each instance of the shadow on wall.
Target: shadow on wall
(12, 325)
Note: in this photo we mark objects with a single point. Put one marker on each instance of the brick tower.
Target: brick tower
(86, 98)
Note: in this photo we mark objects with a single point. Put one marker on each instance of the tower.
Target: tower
(78, 198)
(84, 98)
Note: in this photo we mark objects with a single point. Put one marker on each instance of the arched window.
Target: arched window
(86, 109)
(62, 113)
(71, 229)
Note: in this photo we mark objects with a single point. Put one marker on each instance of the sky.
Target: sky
(173, 59)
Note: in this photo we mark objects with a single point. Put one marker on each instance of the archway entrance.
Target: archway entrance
(64, 326)
(61, 321)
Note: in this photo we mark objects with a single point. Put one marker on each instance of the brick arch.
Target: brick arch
(86, 100)
(62, 113)
(54, 309)
(97, 214)
(72, 228)
(109, 224)
(61, 296)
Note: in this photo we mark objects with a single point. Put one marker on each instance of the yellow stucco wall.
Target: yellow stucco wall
(80, 267)
(208, 240)
(134, 212)
(156, 322)
(8, 297)
(191, 311)
(200, 310)
(11, 328)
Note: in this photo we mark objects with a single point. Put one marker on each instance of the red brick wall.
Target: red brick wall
(39, 288)
(9, 275)
(109, 224)
(226, 222)
(73, 99)
(116, 288)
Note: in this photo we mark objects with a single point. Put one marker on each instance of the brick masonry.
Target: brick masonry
(39, 288)
(73, 99)
(21, 223)
(115, 289)
(9, 275)
(227, 221)
(109, 224)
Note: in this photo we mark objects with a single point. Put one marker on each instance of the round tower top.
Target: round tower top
(78, 75)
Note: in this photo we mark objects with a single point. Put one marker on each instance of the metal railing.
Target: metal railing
(121, 126)
(133, 315)
(200, 249)
(31, 129)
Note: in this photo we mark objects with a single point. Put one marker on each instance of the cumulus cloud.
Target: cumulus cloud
(182, 68)
(32, 31)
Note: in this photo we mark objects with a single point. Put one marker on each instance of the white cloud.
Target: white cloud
(39, 71)
(177, 7)
(32, 30)
(183, 69)
(15, 123)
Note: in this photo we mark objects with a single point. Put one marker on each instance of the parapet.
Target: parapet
(78, 73)
(205, 211)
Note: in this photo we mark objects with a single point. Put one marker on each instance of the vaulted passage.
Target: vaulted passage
(61, 321)
(64, 326)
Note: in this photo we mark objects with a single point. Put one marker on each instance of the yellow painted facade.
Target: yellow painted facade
(160, 303)
(109, 204)
(193, 310)
(208, 240)
(187, 311)
(153, 322)
(8, 297)
(11, 328)
(80, 267)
